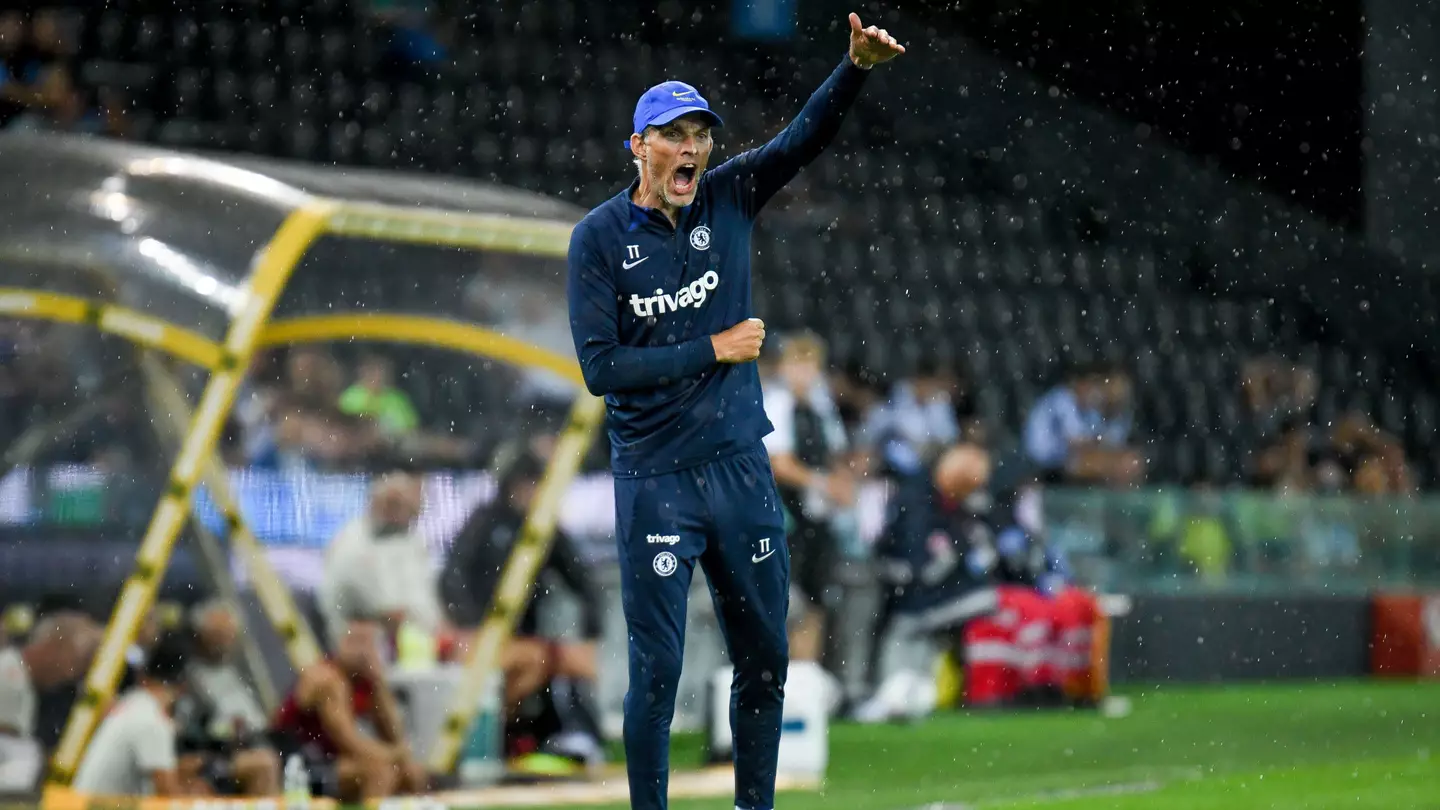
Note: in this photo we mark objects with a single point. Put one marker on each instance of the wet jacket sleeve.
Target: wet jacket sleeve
(608, 366)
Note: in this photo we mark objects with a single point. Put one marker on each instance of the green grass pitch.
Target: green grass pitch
(1358, 746)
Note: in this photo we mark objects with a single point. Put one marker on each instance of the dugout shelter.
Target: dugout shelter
(200, 261)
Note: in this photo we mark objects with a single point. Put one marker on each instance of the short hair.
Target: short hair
(803, 345)
(644, 135)
(67, 626)
(166, 662)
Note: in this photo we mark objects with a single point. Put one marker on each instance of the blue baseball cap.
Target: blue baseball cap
(667, 101)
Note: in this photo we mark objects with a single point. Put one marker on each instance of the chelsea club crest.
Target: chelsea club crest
(700, 238)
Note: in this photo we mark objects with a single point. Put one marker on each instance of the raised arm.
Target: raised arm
(764, 171)
(608, 366)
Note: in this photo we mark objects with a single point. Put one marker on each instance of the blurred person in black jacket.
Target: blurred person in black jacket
(937, 557)
(567, 724)
(965, 562)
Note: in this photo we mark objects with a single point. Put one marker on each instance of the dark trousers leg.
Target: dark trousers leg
(748, 565)
(659, 530)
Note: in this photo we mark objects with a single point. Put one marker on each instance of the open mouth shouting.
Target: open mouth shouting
(684, 180)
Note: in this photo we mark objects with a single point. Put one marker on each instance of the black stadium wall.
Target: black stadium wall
(1204, 638)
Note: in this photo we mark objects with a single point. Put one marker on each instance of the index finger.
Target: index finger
(757, 322)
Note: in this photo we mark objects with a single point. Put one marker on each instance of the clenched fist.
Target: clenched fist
(740, 343)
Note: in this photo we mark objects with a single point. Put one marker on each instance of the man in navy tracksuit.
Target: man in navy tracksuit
(659, 290)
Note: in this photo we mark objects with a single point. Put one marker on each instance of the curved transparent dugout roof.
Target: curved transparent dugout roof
(174, 235)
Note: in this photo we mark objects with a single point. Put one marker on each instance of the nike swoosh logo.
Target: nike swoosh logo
(627, 265)
(758, 558)
(682, 96)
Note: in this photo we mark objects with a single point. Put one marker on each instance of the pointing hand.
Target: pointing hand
(871, 46)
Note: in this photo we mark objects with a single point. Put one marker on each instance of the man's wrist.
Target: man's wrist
(857, 63)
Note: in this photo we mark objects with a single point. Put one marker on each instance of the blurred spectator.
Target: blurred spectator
(39, 75)
(322, 720)
(1193, 532)
(935, 559)
(313, 379)
(473, 571)
(221, 742)
(215, 679)
(1356, 441)
(374, 396)
(134, 750)
(57, 653)
(917, 420)
(378, 567)
(1079, 431)
(1278, 398)
(807, 453)
(1276, 391)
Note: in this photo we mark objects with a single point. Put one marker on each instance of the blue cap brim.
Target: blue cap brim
(670, 115)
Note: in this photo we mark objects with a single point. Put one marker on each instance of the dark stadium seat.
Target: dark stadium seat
(1014, 241)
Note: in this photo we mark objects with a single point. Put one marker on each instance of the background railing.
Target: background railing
(1245, 541)
(1143, 540)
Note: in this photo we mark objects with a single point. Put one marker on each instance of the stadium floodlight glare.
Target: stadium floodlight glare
(187, 233)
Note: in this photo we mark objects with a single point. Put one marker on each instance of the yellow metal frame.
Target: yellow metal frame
(143, 330)
(272, 269)
(513, 591)
(250, 330)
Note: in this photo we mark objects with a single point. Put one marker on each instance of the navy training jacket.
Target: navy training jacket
(646, 296)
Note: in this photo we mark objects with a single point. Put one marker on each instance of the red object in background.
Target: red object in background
(447, 646)
(1034, 641)
(1405, 635)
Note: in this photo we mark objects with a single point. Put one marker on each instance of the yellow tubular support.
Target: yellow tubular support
(516, 581)
(275, 598)
(421, 330)
(144, 330)
(453, 229)
(273, 266)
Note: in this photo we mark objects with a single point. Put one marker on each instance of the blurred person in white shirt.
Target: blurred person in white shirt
(807, 451)
(133, 752)
(377, 566)
(57, 653)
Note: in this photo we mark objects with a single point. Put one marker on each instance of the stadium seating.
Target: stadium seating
(1047, 233)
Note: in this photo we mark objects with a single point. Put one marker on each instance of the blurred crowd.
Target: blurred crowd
(380, 609)
(41, 88)
(972, 582)
(1293, 452)
(303, 410)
